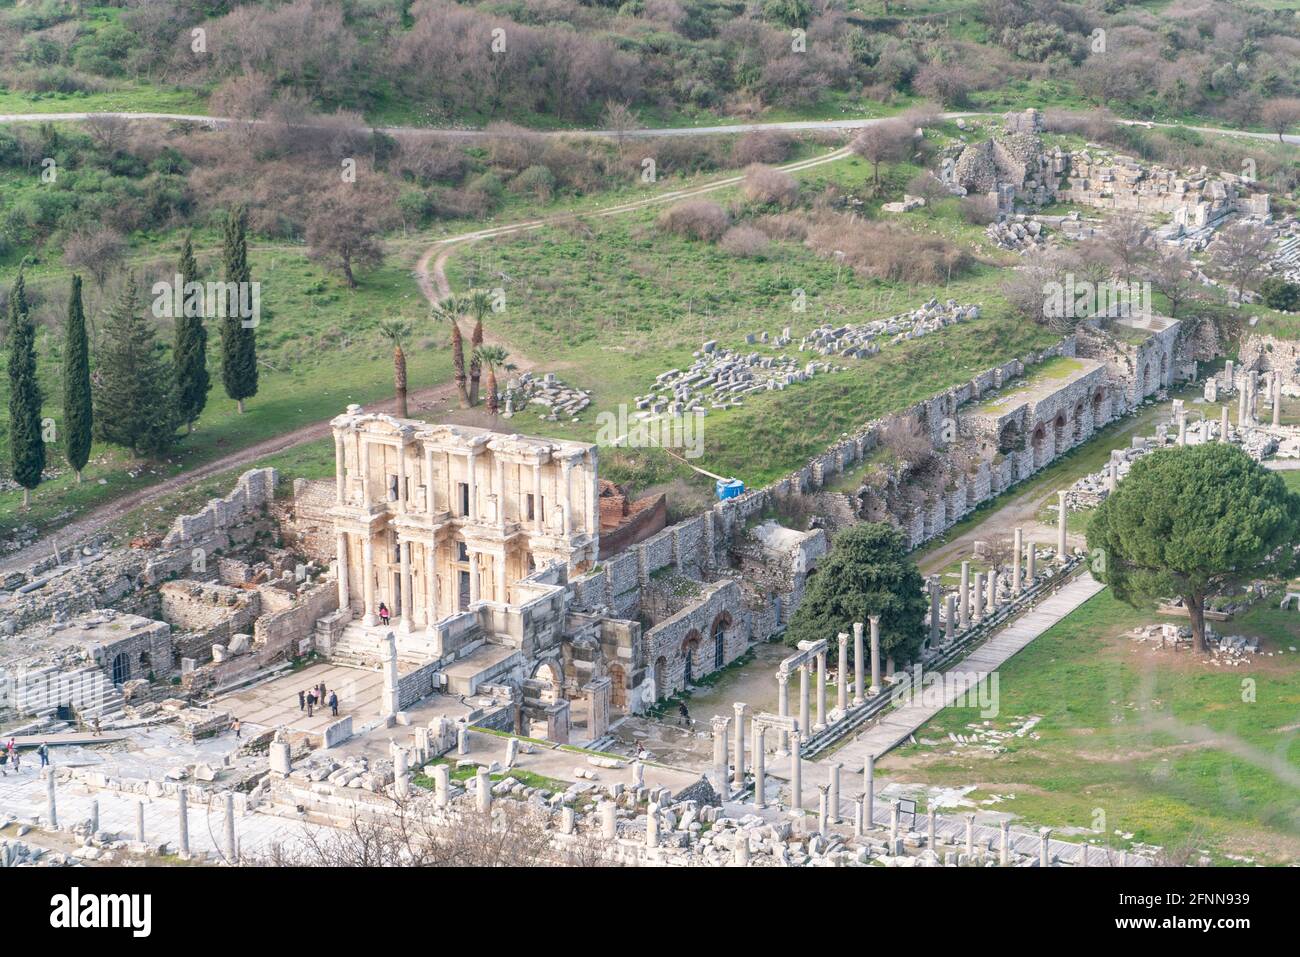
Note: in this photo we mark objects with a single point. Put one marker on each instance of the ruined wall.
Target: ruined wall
(694, 633)
(210, 613)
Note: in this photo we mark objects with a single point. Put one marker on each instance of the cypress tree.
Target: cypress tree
(135, 401)
(238, 344)
(26, 445)
(77, 411)
(190, 351)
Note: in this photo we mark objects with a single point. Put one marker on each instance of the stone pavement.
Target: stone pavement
(274, 704)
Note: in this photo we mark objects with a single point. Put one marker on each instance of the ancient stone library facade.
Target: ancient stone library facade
(482, 549)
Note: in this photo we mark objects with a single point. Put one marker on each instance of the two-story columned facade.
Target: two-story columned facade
(433, 518)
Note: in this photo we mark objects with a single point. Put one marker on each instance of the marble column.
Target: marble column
(930, 841)
(934, 610)
(139, 821)
(1277, 400)
(51, 802)
(993, 591)
(608, 820)
(652, 825)
(340, 471)
(341, 573)
(408, 593)
(1241, 405)
(1182, 426)
(963, 601)
(232, 843)
(483, 789)
(1112, 475)
(874, 620)
(1017, 549)
(823, 803)
(858, 664)
(804, 722)
(949, 611)
(970, 835)
(94, 816)
(1044, 847)
(894, 812)
(796, 773)
(782, 708)
(441, 785)
(859, 826)
(1223, 424)
(472, 481)
(368, 580)
(499, 569)
(183, 821)
(1004, 849)
(821, 691)
(760, 767)
(1062, 516)
(978, 596)
(431, 586)
(720, 754)
(869, 789)
(738, 772)
(833, 771)
(842, 679)
(1031, 560)
(475, 586)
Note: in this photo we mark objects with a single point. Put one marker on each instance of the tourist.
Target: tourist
(13, 754)
(334, 704)
(320, 692)
(384, 613)
(311, 702)
(43, 752)
(302, 700)
(235, 724)
(686, 715)
(96, 723)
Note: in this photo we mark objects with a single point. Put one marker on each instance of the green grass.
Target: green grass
(1159, 742)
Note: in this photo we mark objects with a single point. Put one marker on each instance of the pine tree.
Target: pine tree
(190, 350)
(78, 415)
(238, 343)
(135, 402)
(26, 445)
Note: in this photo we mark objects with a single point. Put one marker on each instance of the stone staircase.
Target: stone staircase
(361, 647)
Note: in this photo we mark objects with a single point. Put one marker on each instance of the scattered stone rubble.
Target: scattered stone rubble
(552, 397)
(720, 378)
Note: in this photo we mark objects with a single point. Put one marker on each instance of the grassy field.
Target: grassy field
(1163, 747)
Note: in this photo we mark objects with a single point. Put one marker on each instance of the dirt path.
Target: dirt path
(431, 277)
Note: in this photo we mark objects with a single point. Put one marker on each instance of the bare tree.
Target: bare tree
(883, 143)
(96, 251)
(620, 119)
(1171, 273)
(1280, 115)
(1128, 244)
(1239, 254)
(109, 133)
(344, 232)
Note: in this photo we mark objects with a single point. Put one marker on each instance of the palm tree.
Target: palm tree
(397, 331)
(450, 310)
(480, 304)
(493, 358)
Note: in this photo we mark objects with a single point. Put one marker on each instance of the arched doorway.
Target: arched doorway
(719, 633)
(1058, 433)
(1010, 439)
(1040, 436)
(1078, 422)
(662, 689)
(618, 687)
(121, 669)
(690, 648)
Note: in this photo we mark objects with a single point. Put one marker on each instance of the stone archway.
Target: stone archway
(690, 652)
(549, 671)
(1039, 437)
(121, 668)
(618, 686)
(662, 688)
(1078, 423)
(1010, 439)
(721, 625)
(1058, 433)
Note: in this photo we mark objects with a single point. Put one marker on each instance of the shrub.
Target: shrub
(889, 251)
(695, 219)
(1280, 294)
(747, 241)
(783, 226)
(762, 148)
(979, 210)
(769, 187)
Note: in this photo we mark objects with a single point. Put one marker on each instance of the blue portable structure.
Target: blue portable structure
(728, 488)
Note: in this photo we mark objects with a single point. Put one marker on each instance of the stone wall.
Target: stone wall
(209, 614)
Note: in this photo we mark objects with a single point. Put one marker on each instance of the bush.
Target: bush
(790, 226)
(536, 181)
(746, 241)
(762, 148)
(769, 187)
(1280, 294)
(695, 219)
(979, 210)
(889, 251)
